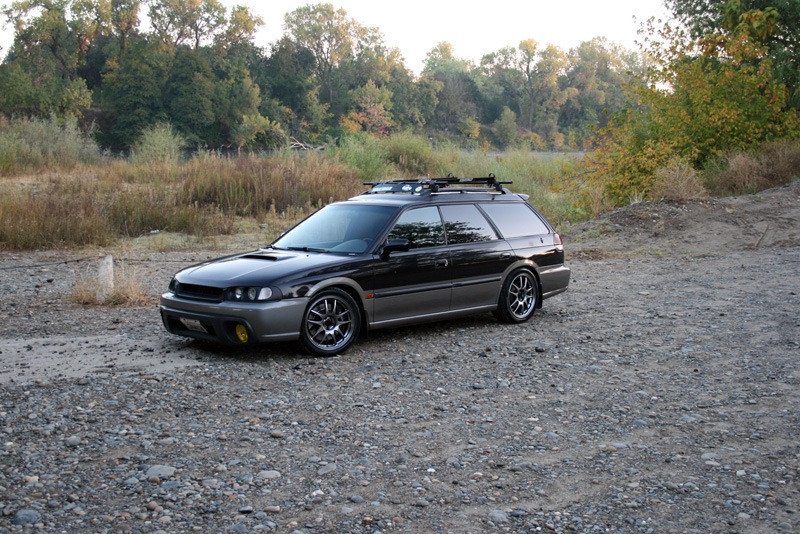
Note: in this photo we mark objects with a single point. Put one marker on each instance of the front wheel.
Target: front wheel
(519, 297)
(331, 323)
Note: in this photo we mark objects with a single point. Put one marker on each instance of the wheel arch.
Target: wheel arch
(351, 288)
(534, 270)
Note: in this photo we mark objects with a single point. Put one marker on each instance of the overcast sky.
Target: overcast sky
(416, 26)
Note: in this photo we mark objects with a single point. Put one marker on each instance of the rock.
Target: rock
(326, 469)
(160, 471)
(26, 517)
(498, 517)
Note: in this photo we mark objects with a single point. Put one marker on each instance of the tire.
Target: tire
(331, 323)
(519, 297)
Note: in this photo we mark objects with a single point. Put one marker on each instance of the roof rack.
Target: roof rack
(433, 185)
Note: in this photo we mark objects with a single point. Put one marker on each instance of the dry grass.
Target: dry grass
(678, 181)
(776, 163)
(128, 289)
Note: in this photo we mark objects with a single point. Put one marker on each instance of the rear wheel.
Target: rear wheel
(519, 297)
(331, 323)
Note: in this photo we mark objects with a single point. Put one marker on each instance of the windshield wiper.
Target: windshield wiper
(308, 249)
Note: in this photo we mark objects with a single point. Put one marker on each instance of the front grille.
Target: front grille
(195, 292)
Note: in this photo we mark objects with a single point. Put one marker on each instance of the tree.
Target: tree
(714, 17)
(240, 29)
(595, 80)
(51, 41)
(328, 34)
(701, 99)
(189, 95)
(133, 94)
(373, 110)
(506, 128)
(457, 100)
(190, 22)
(124, 22)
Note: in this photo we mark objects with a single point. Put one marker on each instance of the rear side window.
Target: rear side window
(465, 223)
(515, 220)
(422, 227)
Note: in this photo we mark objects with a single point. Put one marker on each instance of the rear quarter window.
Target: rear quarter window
(515, 220)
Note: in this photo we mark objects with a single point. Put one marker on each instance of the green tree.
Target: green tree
(701, 99)
(457, 101)
(191, 22)
(506, 128)
(124, 22)
(133, 92)
(595, 79)
(51, 41)
(714, 17)
(189, 97)
(326, 32)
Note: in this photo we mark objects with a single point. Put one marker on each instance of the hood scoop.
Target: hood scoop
(266, 257)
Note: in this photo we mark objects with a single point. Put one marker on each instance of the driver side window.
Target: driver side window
(421, 226)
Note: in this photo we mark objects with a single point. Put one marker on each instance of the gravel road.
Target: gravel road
(661, 393)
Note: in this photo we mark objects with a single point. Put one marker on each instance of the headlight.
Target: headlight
(251, 294)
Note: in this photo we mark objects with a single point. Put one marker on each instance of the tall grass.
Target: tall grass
(68, 195)
(774, 164)
(39, 144)
(208, 194)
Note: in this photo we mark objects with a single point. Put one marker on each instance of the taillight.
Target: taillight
(557, 239)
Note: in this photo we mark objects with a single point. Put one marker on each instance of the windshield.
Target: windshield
(346, 228)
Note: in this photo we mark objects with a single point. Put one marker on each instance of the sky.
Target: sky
(417, 26)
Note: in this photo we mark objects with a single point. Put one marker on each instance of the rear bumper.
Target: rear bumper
(554, 280)
(264, 321)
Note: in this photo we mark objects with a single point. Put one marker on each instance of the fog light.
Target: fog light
(241, 333)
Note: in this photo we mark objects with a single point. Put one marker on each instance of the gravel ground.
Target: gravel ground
(661, 393)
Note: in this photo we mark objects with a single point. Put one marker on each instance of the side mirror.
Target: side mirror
(395, 245)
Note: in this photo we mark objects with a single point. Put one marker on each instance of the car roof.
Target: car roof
(438, 190)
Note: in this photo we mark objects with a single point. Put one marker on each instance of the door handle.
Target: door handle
(442, 263)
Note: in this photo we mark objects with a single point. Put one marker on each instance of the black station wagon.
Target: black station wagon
(403, 252)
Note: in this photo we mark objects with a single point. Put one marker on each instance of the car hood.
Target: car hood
(261, 267)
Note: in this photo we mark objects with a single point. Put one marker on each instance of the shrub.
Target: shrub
(366, 154)
(37, 144)
(677, 181)
(411, 154)
(781, 162)
(158, 144)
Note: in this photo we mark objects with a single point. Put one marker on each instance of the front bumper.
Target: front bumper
(278, 320)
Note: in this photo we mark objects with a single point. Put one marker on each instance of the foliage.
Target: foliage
(411, 154)
(158, 144)
(506, 127)
(36, 144)
(782, 41)
(196, 65)
(373, 110)
(704, 98)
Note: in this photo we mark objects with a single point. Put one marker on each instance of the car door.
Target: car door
(478, 255)
(416, 282)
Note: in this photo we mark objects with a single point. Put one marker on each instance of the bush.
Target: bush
(366, 154)
(37, 144)
(774, 164)
(411, 154)
(158, 144)
(677, 181)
